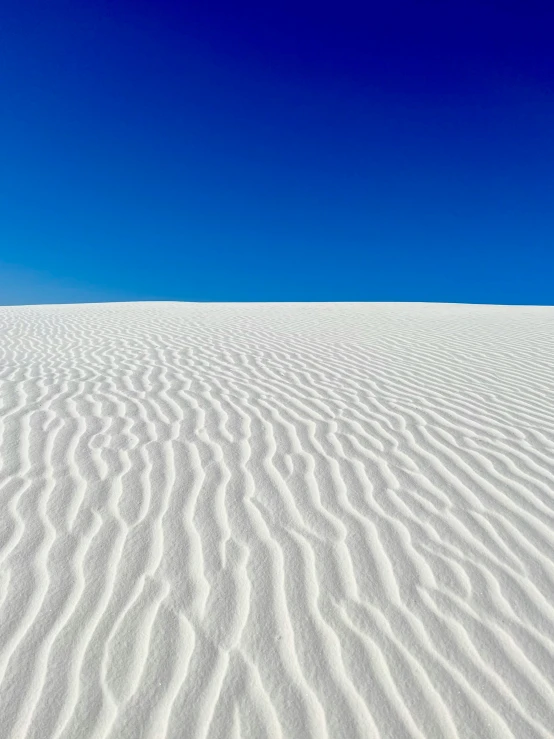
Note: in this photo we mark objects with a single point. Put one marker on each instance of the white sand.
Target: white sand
(276, 521)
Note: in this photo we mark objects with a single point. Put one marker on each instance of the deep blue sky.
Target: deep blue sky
(244, 151)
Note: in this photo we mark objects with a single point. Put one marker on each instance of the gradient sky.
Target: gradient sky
(280, 151)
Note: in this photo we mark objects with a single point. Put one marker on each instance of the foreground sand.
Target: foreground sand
(276, 520)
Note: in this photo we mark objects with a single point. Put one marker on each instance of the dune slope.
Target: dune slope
(276, 521)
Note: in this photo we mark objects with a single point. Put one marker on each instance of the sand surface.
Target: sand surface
(276, 521)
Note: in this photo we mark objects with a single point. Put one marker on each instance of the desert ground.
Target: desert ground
(276, 520)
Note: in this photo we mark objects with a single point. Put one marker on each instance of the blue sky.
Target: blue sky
(242, 151)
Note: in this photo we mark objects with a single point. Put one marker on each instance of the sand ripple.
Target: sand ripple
(276, 521)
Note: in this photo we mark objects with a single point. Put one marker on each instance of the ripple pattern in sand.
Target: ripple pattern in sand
(276, 521)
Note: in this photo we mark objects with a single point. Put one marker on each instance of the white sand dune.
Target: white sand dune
(276, 521)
